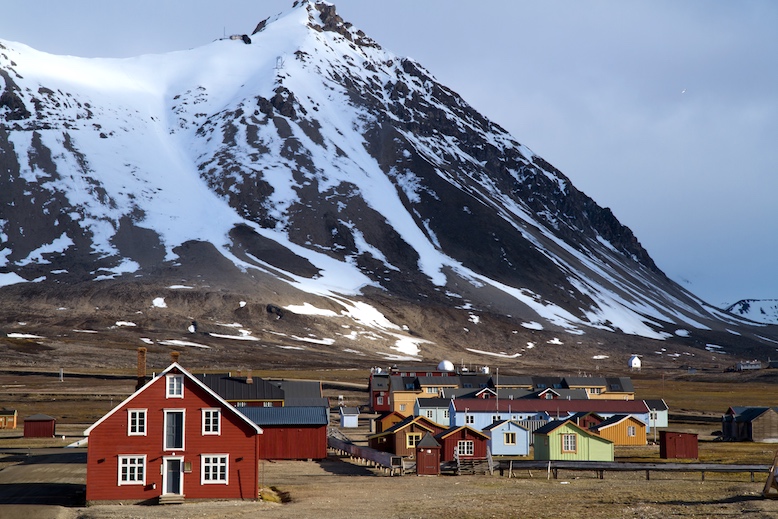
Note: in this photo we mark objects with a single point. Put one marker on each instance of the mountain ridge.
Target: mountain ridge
(314, 157)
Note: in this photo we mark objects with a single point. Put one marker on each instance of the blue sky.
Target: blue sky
(664, 111)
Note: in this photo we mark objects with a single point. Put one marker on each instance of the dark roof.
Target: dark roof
(611, 421)
(586, 381)
(379, 383)
(7, 412)
(428, 442)
(299, 388)
(450, 392)
(455, 428)
(428, 403)
(544, 382)
(39, 418)
(264, 416)
(512, 380)
(306, 402)
(551, 426)
(748, 414)
(476, 381)
(238, 389)
(437, 381)
(622, 384)
(420, 420)
(349, 411)
(657, 405)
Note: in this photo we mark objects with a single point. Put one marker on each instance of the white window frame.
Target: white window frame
(495, 418)
(174, 386)
(466, 447)
(379, 400)
(632, 431)
(183, 430)
(429, 413)
(402, 408)
(209, 416)
(138, 416)
(132, 462)
(446, 413)
(214, 461)
(469, 419)
(509, 438)
(569, 442)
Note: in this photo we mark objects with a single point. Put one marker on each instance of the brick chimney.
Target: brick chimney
(141, 368)
(174, 356)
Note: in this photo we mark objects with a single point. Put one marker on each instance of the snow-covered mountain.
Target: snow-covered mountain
(759, 310)
(307, 168)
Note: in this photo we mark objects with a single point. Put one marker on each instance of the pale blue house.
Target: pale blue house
(435, 409)
(507, 438)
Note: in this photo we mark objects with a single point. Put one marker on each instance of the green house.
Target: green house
(563, 440)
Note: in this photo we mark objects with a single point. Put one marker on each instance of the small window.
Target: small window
(267, 404)
(136, 422)
(495, 418)
(469, 419)
(465, 447)
(594, 390)
(211, 421)
(402, 407)
(631, 431)
(509, 438)
(429, 413)
(214, 469)
(175, 386)
(432, 390)
(445, 414)
(569, 443)
(379, 400)
(412, 439)
(132, 470)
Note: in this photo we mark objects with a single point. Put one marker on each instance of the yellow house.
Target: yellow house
(8, 418)
(405, 390)
(622, 430)
(602, 388)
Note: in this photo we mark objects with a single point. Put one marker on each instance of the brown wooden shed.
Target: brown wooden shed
(39, 426)
(677, 445)
(428, 456)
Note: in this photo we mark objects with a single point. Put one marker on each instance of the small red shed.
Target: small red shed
(677, 445)
(467, 442)
(39, 426)
(428, 456)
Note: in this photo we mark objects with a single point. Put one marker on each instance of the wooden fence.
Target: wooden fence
(599, 468)
(387, 462)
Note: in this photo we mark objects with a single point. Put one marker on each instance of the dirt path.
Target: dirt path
(337, 488)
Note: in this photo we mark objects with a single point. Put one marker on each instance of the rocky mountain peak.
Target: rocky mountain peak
(315, 160)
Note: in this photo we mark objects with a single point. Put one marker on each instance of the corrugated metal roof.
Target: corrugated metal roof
(238, 389)
(264, 416)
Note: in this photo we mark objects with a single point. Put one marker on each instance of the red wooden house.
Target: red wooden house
(174, 438)
(401, 438)
(39, 426)
(467, 442)
(291, 433)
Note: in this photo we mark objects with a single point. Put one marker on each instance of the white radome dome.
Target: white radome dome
(446, 365)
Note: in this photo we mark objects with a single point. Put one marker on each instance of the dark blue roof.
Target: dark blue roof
(264, 416)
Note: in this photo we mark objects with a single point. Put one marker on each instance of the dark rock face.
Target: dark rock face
(298, 154)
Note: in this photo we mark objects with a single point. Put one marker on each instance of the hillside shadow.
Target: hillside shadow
(724, 501)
